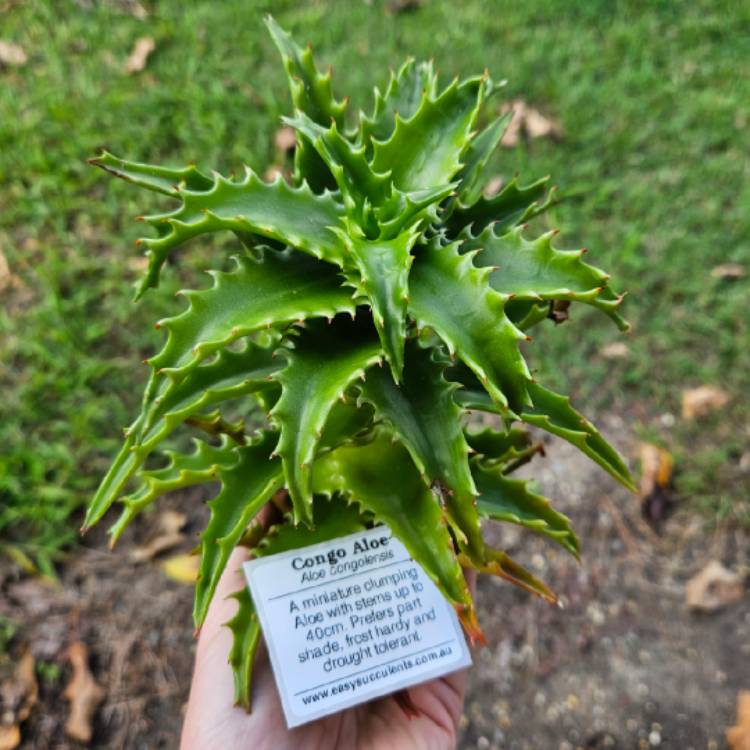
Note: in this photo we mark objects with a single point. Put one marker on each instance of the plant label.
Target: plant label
(350, 620)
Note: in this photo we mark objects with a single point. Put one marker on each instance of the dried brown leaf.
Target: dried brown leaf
(273, 172)
(136, 10)
(738, 736)
(512, 136)
(7, 279)
(168, 535)
(615, 350)
(182, 568)
(539, 126)
(528, 122)
(138, 58)
(137, 263)
(493, 186)
(728, 271)
(713, 588)
(656, 468)
(12, 54)
(285, 140)
(10, 736)
(18, 695)
(657, 502)
(697, 402)
(84, 694)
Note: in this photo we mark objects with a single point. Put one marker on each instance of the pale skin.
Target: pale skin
(212, 722)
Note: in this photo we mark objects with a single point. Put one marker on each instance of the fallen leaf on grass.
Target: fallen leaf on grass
(728, 271)
(84, 694)
(615, 350)
(657, 502)
(285, 140)
(697, 402)
(139, 56)
(7, 279)
(713, 588)
(18, 694)
(273, 172)
(493, 186)
(136, 10)
(528, 123)
(137, 263)
(182, 568)
(12, 54)
(738, 736)
(168, 535)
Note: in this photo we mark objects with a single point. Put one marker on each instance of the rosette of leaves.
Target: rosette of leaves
(376, 300)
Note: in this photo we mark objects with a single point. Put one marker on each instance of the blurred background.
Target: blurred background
(640, 111)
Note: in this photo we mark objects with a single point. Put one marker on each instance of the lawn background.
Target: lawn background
(654, 100)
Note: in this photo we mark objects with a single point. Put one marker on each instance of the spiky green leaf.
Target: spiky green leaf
(310, 89)
(232, 373)
(323, 362)
(165, 180)
(501, 564)
(473, 177)
(511, 500)
(553, 413)
(453, 297)
(425, 151)
(246, 486)
(534, 270)
(404, 210)
(360, 186)
(423, 415)
(123, 467)
(404, 94)
(347, 421)
(513, 205)
(245, 629)
(311, 94)
(182, 470)
(382, 479)
(497, 445)
(383, 267)
(170, 403)
(293, 216)
(282, 288)
(526, 314)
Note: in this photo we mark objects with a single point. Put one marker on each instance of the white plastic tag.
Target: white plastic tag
(350, 620)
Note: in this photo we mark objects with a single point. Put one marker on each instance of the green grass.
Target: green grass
(654, 98)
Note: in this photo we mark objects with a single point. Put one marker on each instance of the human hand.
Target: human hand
(213, 722)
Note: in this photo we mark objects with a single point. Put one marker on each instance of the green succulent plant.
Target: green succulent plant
(375, 302)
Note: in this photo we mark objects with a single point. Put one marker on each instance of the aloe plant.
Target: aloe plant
(375, 302)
